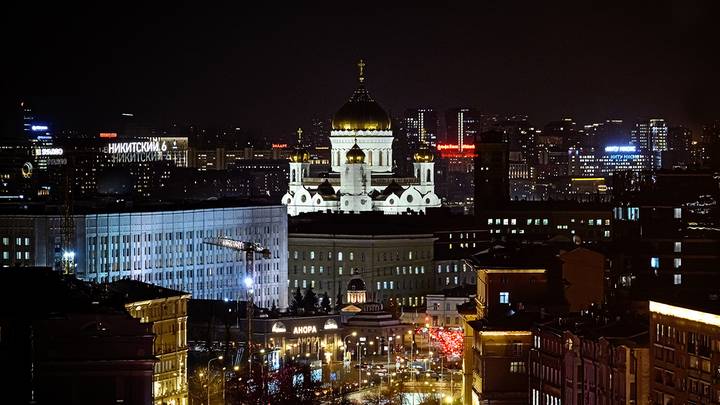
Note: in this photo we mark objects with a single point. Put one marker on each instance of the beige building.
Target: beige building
(167, 311)
(393, 266)
(685, 350)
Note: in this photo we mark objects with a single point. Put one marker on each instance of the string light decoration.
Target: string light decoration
(449, 341)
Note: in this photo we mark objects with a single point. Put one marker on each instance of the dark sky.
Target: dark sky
(274, 67)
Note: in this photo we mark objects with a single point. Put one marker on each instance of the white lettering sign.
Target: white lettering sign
(141, 151)
(48, 151)
(302, 330)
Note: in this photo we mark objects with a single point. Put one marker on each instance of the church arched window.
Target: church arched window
(370, 162)
(381, 159)
(292, 175)
(428, 175)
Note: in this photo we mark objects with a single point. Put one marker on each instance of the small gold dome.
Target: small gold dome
(423, 155)
(355, 155)
(300, 155)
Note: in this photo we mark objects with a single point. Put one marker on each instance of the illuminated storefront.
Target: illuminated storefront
(311, 337)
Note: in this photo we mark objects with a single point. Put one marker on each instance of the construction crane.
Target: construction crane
(67, 226)
(251, 249)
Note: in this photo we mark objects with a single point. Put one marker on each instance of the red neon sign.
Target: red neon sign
(279, 145)
(449, 146)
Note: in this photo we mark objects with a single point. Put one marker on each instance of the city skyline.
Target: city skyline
(278, 70)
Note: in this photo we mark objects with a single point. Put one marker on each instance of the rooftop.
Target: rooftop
(133, 291)
(107, 206)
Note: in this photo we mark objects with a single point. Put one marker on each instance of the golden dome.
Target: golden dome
(423, 155)
(300, 155)
(355, 155)
(361, 112)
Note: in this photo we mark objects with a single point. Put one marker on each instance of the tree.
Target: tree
(310, 301)
(325, 302)
(297, 301)
(338, 301)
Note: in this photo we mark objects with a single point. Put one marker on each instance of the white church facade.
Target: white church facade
(361, 176)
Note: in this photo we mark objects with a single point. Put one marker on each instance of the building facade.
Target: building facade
(397, 267)
(685, 352)
(162, 247)
(166, 310)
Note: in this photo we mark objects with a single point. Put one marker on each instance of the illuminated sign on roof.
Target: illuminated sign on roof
(613, 148)
(39, 128)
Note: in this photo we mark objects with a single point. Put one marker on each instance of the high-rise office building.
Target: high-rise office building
(491, 171)
(421, 126)
(710, 145)
(463, 124)
(596, 162)
(651, 135)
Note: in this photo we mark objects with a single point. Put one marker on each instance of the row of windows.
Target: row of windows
(384, 285)
(543, 221)
(312, 255)
(355, 270)
(18, 241)
(655, 262)
(18, 255)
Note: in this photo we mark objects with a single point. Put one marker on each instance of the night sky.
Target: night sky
(272, 69)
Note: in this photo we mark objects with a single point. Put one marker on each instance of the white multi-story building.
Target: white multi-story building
(361, 177)
(162, 247)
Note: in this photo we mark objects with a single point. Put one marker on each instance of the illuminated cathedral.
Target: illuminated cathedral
(361, 177)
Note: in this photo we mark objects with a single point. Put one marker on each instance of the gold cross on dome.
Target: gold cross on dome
(299, 133)
(361, 65)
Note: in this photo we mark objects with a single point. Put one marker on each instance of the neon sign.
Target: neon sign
(39, 128)
(620, 148)
(304, 330)
(279, 145)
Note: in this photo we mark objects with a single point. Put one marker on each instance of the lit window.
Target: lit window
(312, 255)
(545, 221)
(677, 214)
(505, 297)
(677, 262)
(489, 223)
(505, 221)
(677, 279)
(678, 247)
(340, 256)
(655, 262)
(513, 221)
(340, 268)
(352, 256)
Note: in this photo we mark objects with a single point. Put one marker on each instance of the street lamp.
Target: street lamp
(208, 373)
